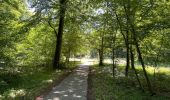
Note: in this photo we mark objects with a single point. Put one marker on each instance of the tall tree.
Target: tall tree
(56, 62)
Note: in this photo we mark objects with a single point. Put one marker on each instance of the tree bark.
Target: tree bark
(56, 62)
(101, 53)
(113, 54)
(126, 40)
(113, 59)
(143, 65)
(100, 57)
(127, 12)
(133, 67)
(127, 54)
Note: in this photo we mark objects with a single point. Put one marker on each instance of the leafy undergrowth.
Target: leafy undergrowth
(29, 82)
(105, 87)
(159, 77)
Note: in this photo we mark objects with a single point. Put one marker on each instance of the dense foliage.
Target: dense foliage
(44, 34)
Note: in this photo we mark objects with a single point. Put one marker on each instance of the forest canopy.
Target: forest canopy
(46, 34)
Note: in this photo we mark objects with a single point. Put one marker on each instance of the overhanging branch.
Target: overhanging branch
(52, 27)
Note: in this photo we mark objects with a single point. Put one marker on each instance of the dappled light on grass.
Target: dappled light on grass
(160, 69)
(160, 79)
(41, 35)
(14, 93)
(48, 81)
(119, 88)
(29, 83)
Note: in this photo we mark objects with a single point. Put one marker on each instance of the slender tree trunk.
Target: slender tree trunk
(126, 40)
(127, 54)
(133, 67)
(113, 54)
(57, 55)
(127, 11)
(141, 61)
(101, 53)
(100, 58)
(113, 59)
(143, 65)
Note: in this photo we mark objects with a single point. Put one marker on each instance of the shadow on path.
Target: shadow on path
(74, 87)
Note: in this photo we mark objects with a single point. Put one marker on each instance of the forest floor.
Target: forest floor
(102, 85)
(74, 87)
(30, 82)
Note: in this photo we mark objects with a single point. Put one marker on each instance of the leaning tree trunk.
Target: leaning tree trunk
(127, 11)
(57, 55)
(133, 67)
(141, 61)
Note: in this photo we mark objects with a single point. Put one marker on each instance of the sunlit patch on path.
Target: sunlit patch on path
(74, 87)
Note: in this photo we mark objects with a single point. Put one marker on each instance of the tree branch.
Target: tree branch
(52, 27)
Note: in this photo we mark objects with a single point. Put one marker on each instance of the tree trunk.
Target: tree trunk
(126, 40)
(56, 62)
(113, 54)
(100, 57)
(133, 67)
(101, 53)
(127, 54)
(127, 11)
(143, 66)
(113, 59)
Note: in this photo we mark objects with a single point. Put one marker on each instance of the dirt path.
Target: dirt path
(74, 87)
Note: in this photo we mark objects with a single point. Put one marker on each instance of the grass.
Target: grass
(29, 83)
(161, 79)
(105, 87)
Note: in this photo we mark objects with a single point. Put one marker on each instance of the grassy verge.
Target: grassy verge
(159, 77)
(105, 87)
(28, 84)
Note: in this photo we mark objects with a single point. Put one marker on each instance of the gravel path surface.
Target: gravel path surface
(74, 87)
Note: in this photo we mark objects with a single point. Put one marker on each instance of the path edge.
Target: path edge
(90, 92)
(46, 90)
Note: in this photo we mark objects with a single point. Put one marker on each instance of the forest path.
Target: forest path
(74, 87)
